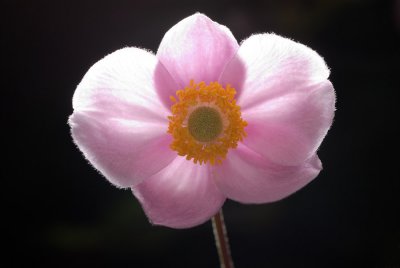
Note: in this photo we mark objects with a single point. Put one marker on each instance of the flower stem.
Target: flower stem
(221, 240)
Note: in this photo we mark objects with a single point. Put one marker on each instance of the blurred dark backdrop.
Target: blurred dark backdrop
(59, 212)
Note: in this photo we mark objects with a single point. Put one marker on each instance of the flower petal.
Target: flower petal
(289, 129)
(247, 177)
(123, 83)
(182, 195)
(273, 66)
(196, 48)
(285, 97)
(125, 151)
(119, 122)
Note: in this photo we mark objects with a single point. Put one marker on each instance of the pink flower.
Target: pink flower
(204, 120)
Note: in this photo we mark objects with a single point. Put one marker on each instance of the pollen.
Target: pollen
(206, 122)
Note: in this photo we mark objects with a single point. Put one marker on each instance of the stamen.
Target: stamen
(205, 122)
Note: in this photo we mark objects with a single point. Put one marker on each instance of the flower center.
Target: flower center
(205, 122)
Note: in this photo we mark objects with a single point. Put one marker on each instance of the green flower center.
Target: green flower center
(205, 124)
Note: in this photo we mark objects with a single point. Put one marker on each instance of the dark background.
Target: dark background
(59, 212)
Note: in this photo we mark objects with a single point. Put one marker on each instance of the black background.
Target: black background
(59, 212)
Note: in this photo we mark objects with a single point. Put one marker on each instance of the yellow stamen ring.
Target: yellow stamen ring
(205, 122)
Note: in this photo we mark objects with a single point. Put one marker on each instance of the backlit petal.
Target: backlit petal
(196, 48)
(119, 123)
(289, 129)
(268, 66)
(182, 195)
(247, 177)
(284, 95)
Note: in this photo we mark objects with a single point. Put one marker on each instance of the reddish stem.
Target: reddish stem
(221, 240)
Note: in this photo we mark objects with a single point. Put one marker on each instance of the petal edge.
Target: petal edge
(247, 177)
(196, 48)
(180, 202)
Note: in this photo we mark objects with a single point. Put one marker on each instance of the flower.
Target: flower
(204, 120)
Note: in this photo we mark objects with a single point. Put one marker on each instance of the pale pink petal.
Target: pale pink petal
(119, 123)
(268, 66)
(247, 177)
(284, 95)
(165, 85)
(289, 129)
(123, 84)
(196, 48)
(182, 195)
